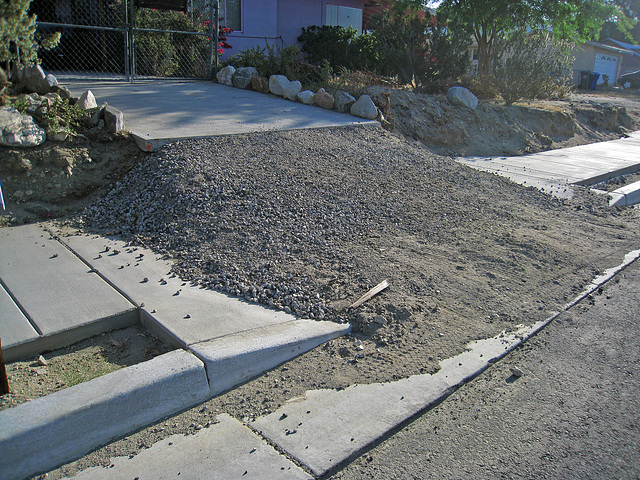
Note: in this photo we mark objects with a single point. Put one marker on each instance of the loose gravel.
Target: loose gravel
(308, 221)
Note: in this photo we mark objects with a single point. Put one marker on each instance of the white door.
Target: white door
(606, 65)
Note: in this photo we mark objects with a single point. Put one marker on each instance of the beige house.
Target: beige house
(598, 58)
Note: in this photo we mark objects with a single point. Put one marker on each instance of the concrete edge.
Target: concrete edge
(609, 175)
(625, 196)
(155, 144)
(46, 432)
(24, 350)
(234, 359)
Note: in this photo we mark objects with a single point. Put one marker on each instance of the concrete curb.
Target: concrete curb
(46, 432)
(625, 196)
(236, 358)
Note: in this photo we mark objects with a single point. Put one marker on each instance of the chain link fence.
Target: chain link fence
(114, 39)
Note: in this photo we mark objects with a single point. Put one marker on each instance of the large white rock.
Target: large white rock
(292, 90)
(225, 75)
(277, 84)
(364, 108)
(462, 97)
(34, 79)
(18, 130)
(87, 101)
(306, 97)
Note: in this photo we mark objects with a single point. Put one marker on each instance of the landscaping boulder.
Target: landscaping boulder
(306, 97)
(324, 99)
(462, 97)
(292, 90)
(343, 101)
(225, 75)
(113, 119)
(18, 130)
(277, 84)
(34, 80)
(51, 80)
(260, 84)
(364, 108)
(87, 101)
(242, 77)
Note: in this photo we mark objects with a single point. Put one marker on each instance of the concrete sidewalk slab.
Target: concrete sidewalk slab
(48, 431)
(61, 297)
(179, 313)
(328, 427)
(553, 171)
(15, 328)
(234, 359)
(157, 112)
(220, 452)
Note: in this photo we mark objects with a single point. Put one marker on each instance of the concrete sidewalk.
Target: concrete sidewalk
(159, 112)
(555, 171)
(59, 287)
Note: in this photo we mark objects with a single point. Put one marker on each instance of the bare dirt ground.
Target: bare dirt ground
(309, 221)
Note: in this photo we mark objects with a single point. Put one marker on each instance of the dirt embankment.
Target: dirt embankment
(494, 129)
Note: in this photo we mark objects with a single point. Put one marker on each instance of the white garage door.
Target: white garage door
(606, 65)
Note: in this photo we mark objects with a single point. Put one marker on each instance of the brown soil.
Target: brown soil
(78, 363)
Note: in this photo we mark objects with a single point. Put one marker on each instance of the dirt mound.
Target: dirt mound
(494, 129)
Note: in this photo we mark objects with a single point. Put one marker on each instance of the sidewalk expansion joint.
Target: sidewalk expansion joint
(21, 308)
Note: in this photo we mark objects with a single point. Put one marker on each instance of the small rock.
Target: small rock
(87, 101)
(225, 75)
(380, 320)
(292, 90)
(324, 99)
(364, 108)
(242, 77)
(113, 119)
(42, 361)
(343, 101)
(306, 97)
(516, 372)
(260, 84)
(462, 97)
(277, 84)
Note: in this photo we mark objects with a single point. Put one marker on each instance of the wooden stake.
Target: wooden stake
(4, 381)
(374, 291)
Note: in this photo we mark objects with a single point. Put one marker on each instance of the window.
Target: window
(231, 12)
(344, 16)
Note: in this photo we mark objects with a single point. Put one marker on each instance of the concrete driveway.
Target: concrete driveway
(157, 112)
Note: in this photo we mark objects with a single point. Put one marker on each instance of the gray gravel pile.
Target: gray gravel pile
(304, 221)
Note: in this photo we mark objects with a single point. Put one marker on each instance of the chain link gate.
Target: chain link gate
(127, 39)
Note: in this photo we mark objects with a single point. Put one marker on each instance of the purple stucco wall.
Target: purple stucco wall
(280, 21)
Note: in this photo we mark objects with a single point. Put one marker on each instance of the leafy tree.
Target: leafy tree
(19, 42)
(417, 47)
(489, 20)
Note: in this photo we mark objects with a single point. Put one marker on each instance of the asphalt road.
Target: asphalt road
(573, 414)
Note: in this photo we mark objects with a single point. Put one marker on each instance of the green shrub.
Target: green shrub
(341, 47)
(531, 65)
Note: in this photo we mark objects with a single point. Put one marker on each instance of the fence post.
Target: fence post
(132, 41)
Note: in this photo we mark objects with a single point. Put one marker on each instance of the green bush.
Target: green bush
(273, 60)
(341, 47)
(531, 65)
